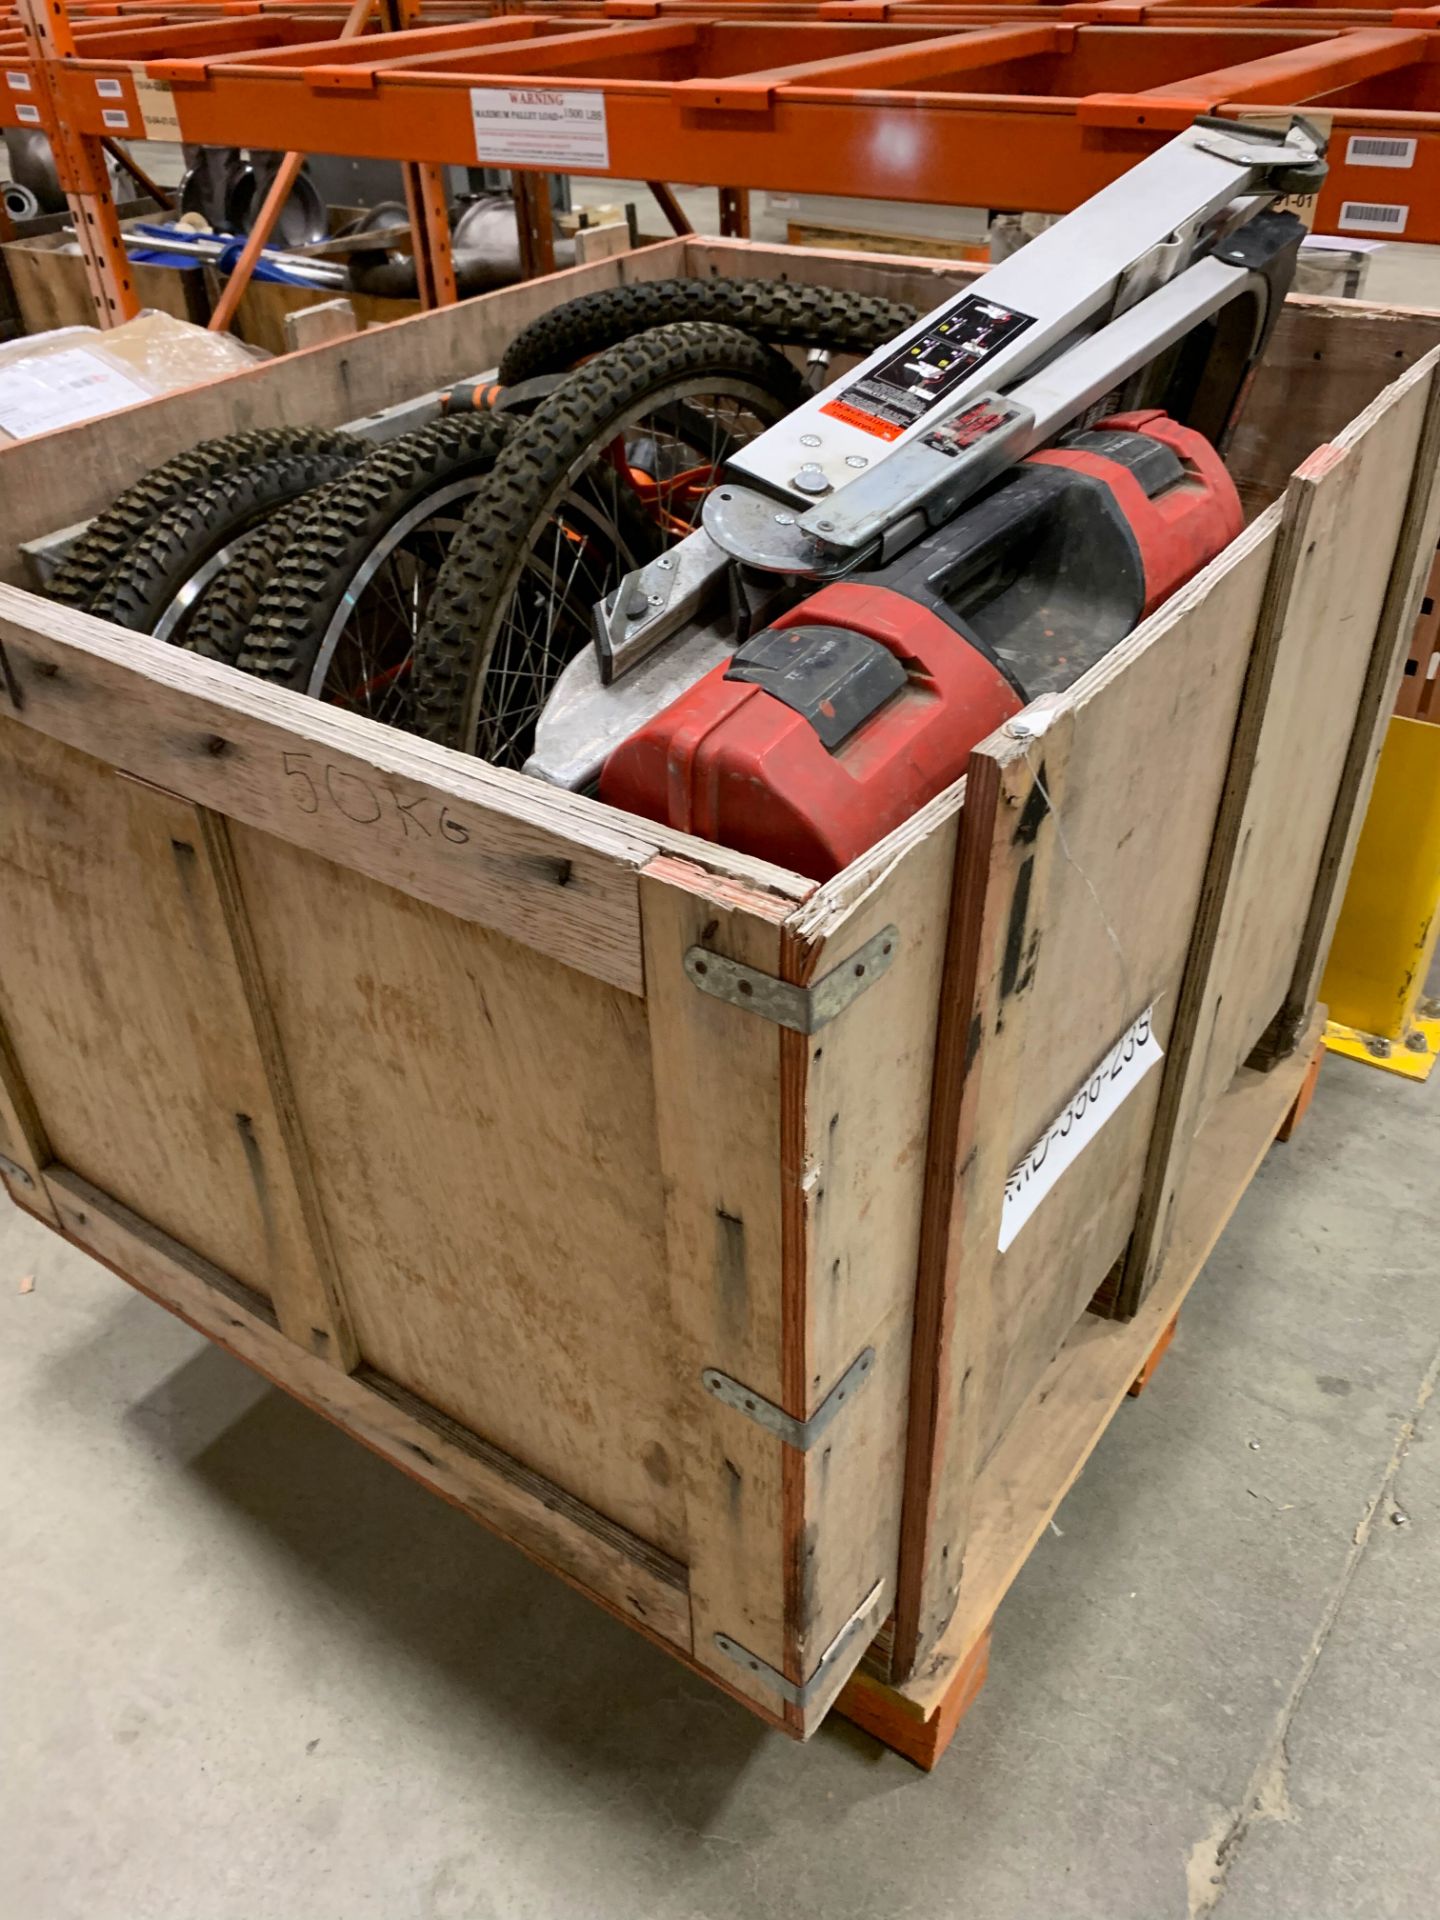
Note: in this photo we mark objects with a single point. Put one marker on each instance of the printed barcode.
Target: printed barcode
(115, 117)
(1369, 150)
(1358, 216)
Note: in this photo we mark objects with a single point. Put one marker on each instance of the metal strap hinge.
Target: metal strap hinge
(800, 1434)
(803, 1009)
(801, 1693)
(12, 1171)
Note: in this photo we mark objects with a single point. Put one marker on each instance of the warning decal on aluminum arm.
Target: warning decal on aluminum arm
(901, 390)
(1084, 1114)
(972, 424)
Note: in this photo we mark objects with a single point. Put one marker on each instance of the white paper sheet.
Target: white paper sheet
(57, 389)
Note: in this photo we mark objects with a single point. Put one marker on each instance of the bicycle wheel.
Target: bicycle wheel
(107, 542)
(778, 312)
(602, 476)
(160, 586)
(338, 614)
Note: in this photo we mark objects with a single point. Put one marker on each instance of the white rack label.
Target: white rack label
(1076, 1125)
(30, 116)
(539, 127)
(159, 115)
(109, 89)
(18, 82)
(1363, 216)
(115, 117)
(1369, 150)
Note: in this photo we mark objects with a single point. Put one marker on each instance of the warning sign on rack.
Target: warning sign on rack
(540, 127)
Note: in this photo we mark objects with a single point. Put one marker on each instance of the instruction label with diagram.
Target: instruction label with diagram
(540, 127)
(1092, 1104)
(57, 389)
(903, 388)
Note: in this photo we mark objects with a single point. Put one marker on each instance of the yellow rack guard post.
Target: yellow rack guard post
(1385, 941)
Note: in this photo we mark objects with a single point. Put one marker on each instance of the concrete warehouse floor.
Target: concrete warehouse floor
(250, 1672)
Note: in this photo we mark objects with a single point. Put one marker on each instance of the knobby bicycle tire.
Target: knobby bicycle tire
(332, 538)
(778, 312)
(198, 532)
(108, 540)
(545, 456)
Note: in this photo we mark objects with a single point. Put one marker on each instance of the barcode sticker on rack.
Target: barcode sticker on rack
(109, 88)
(1369, 150)
(1363, 216)
(540, 126)
(18, 82)
(28, 116)
(115, 118)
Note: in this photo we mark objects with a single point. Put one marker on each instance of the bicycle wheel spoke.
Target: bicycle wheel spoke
(598, 482)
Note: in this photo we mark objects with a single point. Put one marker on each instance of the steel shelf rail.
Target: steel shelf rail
(1032, 116)
(96, 14)
(197, 30)
(1117, 13)
(1018, 107)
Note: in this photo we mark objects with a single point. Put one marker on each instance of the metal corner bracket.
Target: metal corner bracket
(12, 1170)
(800, 1434)
(802, 1693)
(802, 1009)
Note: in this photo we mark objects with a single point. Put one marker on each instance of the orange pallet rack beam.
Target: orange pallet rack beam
(1033, 116)
(1029, 108)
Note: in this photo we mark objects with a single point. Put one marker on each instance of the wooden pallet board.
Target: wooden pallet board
(1022, 1484)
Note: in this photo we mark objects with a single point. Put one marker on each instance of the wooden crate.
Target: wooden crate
(836, 238)
(396, 1075)
(51, 291)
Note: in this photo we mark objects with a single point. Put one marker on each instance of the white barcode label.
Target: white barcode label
(1360, 216)
(18, 82)
(28, 116)
(1369, 150)
(110, 89)
(116, 117)
(1090, 1106)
